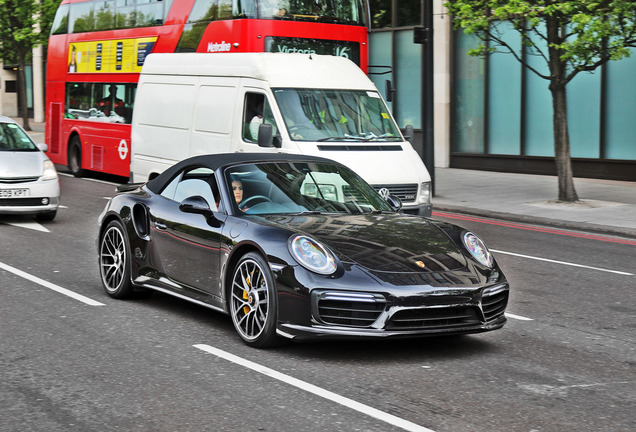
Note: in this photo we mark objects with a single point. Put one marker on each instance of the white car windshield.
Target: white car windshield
(352, 116)
(301, 187)
(12, 138)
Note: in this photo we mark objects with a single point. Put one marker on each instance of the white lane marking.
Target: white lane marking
(50, 285)
(357, 406)
(563, 263)
(518, 317)
(89, 179)
(29, 225)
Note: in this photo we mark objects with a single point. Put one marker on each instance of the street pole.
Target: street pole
(424, 35)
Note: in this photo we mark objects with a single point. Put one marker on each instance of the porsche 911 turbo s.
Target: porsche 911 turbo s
(296, 247)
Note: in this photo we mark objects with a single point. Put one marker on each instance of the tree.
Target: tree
(20, 24)
(571, 36)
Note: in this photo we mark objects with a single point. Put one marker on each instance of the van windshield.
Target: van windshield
(352, 116)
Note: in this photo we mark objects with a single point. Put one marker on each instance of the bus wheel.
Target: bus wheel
(75, 156)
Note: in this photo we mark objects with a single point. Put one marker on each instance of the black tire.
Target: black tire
(46, 217)
(114, 261)
(253, 302)
(75, 156)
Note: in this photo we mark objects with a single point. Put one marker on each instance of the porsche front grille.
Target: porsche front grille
(434, 318)
(494, 301)
(349, 309)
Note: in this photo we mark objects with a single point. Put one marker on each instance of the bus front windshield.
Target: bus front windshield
(332, 11)
(336, 115)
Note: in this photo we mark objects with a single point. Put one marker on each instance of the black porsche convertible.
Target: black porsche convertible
(297, 247)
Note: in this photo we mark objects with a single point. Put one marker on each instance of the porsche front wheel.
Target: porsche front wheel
(253, 303)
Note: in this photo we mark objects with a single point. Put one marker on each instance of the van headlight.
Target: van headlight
(425, 193)
(312, 255)
(477, 249)
(49, 172)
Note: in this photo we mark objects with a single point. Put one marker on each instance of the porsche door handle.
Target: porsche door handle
(161, 226)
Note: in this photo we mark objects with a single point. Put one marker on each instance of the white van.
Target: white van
(191, 104)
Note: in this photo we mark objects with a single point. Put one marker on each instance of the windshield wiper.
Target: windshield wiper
(334, 138)
(366, 138)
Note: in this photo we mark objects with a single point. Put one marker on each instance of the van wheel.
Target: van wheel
(75, 156)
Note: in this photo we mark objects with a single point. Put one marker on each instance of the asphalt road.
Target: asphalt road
(77, 360)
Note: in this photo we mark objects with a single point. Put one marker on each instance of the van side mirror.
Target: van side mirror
(265, 135)
(389, 90)
(408, 133)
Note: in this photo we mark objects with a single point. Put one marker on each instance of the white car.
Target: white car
(28, 179)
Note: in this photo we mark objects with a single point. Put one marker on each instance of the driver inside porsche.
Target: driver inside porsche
(237, 190)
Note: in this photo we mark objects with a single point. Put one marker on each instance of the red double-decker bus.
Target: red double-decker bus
(97, 48)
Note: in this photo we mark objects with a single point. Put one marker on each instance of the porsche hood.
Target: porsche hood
(381, 242)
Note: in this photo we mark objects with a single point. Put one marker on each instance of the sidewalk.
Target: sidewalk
(606, 206)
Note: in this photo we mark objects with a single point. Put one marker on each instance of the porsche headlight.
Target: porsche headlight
(478, 249)
(312, 255)
(49, 172)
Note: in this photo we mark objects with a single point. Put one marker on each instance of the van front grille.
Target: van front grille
(405, 192)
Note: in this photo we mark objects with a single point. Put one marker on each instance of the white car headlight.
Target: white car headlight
(477, 249)
(49, 172)
(312, 255)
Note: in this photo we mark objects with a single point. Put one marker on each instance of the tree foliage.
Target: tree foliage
(23, 25)
(571, 36)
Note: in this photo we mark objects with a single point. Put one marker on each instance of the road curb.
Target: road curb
(555, 223)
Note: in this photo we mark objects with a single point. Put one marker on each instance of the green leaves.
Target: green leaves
(580, 35)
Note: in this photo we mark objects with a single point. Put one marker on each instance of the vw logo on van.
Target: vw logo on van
(384, 193)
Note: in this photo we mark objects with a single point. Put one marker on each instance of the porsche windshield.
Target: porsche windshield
(336, 116)
(301, 187)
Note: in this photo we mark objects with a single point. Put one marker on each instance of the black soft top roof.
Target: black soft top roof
(216, 161)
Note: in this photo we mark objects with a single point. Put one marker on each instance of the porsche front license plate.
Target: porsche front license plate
(13, 193)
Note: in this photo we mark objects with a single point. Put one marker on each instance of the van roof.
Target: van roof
(280, 70)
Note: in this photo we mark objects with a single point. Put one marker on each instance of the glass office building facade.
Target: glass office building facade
(500, 113)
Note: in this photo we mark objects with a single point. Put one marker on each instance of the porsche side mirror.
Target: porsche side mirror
(198, 205)
(394, 202)
(195, 204)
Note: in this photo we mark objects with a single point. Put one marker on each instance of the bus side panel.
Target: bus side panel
(104, 150)
(53, 132)
(214, 113)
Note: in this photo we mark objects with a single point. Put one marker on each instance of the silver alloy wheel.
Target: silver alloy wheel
(113, 259)
(250, 299)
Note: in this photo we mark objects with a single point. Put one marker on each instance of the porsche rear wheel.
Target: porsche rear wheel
(253, 303)
(114, 261)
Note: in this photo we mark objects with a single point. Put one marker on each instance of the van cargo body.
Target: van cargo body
(192, 104)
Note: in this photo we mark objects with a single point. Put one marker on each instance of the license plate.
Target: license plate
(13, 193)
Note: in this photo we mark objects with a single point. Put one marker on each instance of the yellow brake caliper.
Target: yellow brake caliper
(246, 309)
